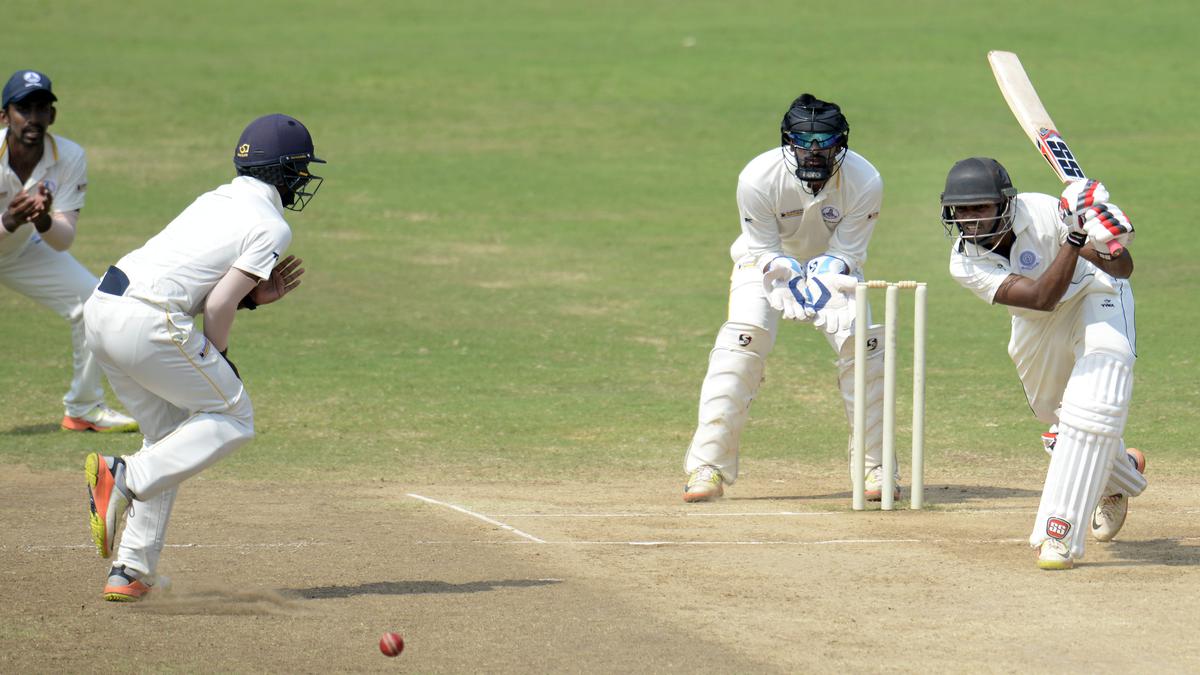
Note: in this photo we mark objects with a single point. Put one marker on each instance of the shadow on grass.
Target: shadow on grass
(934, 494)
(35, 429)
(415, 588)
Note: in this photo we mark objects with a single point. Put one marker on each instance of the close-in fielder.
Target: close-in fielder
(220, 254)
(1073, 339)
(807, 210)
(43, 182)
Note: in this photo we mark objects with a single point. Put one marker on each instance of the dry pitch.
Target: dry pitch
(557, 577)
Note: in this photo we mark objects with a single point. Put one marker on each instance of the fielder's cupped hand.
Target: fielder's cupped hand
(31, 206)
(283, 280)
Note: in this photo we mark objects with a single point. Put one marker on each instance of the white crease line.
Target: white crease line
(482, 517)
(663, 515)
(825, 542)
(29, 548)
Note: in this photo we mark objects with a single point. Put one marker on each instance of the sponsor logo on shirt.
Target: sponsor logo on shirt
(830, 214)
(1028, 260)
(82, 187)
(1107, 303)
(873, 215)
(747, 219)
(794, 213)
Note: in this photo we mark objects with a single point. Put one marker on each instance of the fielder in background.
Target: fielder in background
(220, 255)
(807, 210)
(43, 181)
(1073, 339)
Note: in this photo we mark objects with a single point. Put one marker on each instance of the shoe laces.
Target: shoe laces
(705, 474)
(1110, 504)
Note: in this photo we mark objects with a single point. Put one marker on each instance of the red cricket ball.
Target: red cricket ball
(391, 644)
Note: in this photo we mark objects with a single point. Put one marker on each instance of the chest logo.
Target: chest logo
(830, 214)
(1028, 260)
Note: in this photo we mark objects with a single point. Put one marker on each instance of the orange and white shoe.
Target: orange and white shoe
(1109, 517)
(704, 484)
(123, 586)
(106, 478)
(874, 485)
(101, 418)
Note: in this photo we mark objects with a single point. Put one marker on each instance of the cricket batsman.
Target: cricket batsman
(1073, 339)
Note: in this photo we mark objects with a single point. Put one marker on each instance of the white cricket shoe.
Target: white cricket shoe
(704, 484)
(874, 485)
(1054, 555)
(101, 418)
(1110, 513)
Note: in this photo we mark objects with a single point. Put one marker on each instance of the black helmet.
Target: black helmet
(815, 136)
(277, 150)
(971, 182)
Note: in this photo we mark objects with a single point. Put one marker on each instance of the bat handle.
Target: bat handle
(1115, 249)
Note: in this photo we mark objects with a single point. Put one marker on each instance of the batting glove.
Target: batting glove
(1080, 195)
(1103, 223)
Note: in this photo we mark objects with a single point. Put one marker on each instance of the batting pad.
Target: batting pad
(735, 371)
(1092, 419)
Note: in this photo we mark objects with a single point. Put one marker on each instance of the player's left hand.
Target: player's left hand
(283, 280)
(830, 300)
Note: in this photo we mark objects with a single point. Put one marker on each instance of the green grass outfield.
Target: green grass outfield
(519, 257)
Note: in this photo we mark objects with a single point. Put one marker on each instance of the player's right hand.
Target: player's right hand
(1103, 223)
(783, 281)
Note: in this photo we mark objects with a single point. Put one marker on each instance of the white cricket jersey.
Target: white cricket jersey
(778, 217)
(64, 168)
(1040, 234)
(240, 224)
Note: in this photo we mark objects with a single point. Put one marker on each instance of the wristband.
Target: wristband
(1077, 239)
(247, 303)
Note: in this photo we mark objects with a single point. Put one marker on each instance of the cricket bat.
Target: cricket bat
(1027, 107)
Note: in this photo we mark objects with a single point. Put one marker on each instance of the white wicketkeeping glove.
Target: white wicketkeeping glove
(830, 299)
(782, 281)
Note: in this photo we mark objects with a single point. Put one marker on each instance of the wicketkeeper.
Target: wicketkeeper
(807, 210)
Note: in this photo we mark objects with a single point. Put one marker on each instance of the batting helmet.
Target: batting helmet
(277, 150)
(972, 182)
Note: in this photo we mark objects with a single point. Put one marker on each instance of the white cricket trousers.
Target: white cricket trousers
(56, 281)
(192, 408)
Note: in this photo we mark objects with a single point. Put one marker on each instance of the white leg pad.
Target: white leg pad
(735, 371)
(874, 428)
(1125, 478)
(1095, 405)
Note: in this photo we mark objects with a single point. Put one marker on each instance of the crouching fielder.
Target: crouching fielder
(1073, 339)
(221, 254)
(808, 209)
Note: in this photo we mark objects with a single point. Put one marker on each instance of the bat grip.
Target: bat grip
(1115, 249)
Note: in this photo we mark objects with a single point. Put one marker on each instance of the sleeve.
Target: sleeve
(850, 239)
(760, 230)
(981, 276)
(263, 247)
(72, 184)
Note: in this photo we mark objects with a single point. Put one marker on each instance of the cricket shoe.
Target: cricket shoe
(1110, 513)
(101, 418)
(704, 484)
(874, 485)
(107, 499)
(1053, 554)
(124, 586)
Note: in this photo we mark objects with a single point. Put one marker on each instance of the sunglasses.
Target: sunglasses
(806, 139)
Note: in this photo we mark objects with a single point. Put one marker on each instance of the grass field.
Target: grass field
(518, 259)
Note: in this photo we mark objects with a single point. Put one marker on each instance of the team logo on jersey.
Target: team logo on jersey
(1057, 528)
(243, 150)
(830, 214)
(794, 213)
(1028, 260)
